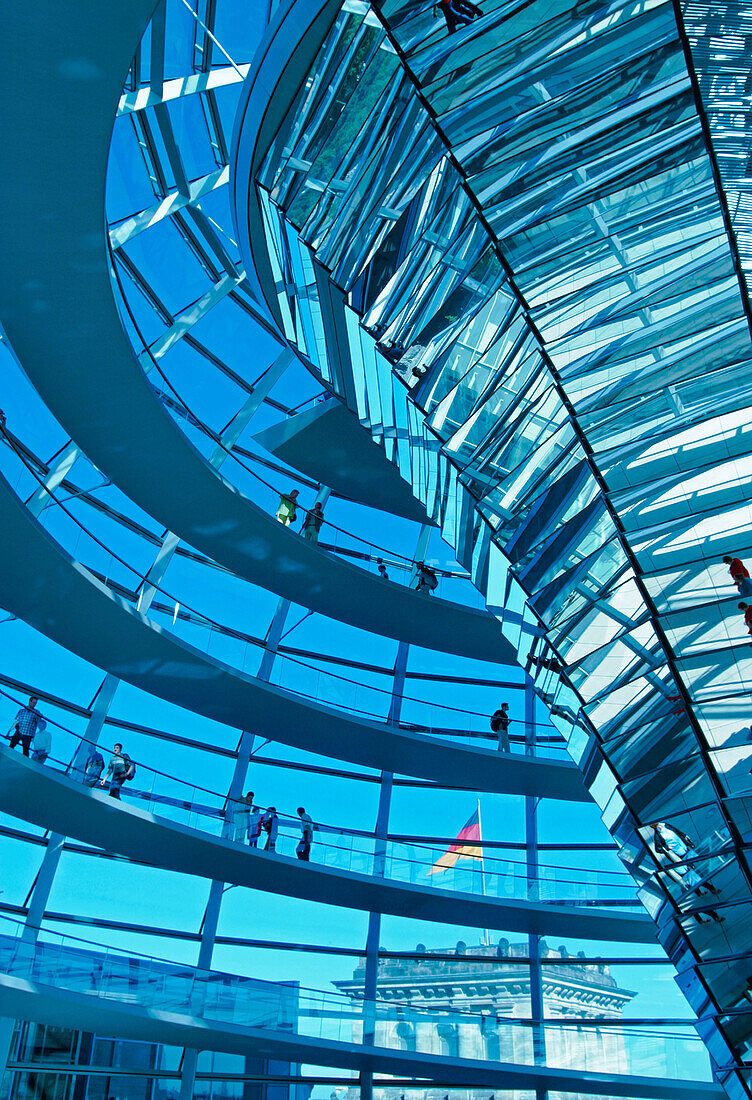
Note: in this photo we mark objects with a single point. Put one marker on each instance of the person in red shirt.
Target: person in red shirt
(739, 575)
(747, 615)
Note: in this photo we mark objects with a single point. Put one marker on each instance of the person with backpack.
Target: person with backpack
(303, 850)
(500, 725)
(427, 579)
(121, 768)
(270, 825)
(93, 768)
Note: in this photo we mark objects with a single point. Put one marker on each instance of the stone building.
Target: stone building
(497, 994)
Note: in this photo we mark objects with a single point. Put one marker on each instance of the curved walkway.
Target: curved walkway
(53, 801)
(41, 585)
(53, 258)
(329, 444)
(180, 1006)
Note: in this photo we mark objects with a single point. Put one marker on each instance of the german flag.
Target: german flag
(461, 849)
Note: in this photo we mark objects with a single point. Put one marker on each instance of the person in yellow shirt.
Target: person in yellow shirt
(286, 508)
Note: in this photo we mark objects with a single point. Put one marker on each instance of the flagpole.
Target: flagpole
(486, 937)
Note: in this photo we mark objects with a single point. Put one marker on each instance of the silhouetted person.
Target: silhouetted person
(382, 571)
(427, 579)
(242, 817)
(457, 13)
(254, 826)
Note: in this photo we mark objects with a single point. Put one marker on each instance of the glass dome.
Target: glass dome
(350, 777)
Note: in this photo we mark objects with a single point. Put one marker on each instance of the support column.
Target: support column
(381, 831)
(245, 746)
(156, 53)
(217, 888)
(214, 905)
(420, 549)
(373, 937)
(159, 568)
(533, 892)
(260, 391)
(46, 874)
(59, 469)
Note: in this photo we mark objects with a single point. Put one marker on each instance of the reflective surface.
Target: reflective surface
(545, 326)
(215, 362)
(71, 965)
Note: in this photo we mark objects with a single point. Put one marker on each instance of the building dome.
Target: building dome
(374, 422)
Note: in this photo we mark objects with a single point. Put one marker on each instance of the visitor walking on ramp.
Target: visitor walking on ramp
(25, 725)
(500, 725)
(739, 575)
(41, 746)
(270, 825)
(288, 502)
(303, 850)
(93, 768)
(312, 523)
(242, 817)
(254, 826)
(120, 768)
(747, 615)
(427, 579)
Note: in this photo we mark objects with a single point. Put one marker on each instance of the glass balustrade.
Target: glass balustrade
(74, 965)
(228, 645)
(481, 871)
